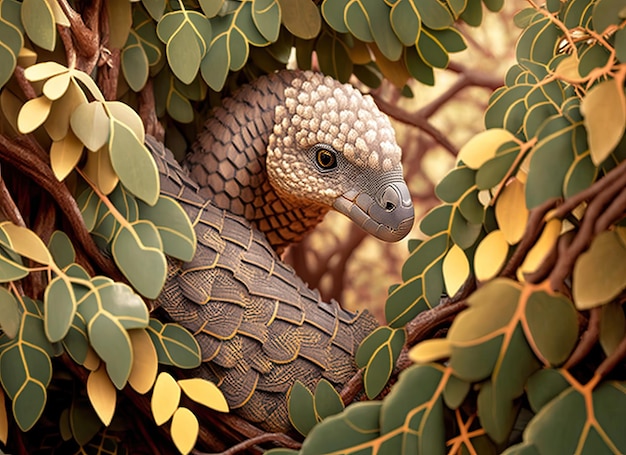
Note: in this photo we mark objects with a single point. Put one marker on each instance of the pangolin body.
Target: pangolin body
(258, 325)
(265, 169)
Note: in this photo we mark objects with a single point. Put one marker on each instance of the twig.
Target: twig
(25, 160)
(280, 438)
(587, 340)
(418, 121)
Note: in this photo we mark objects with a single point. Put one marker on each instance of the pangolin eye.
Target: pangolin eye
(326, 159)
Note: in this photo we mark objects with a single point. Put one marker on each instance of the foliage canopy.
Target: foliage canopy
(532, 213)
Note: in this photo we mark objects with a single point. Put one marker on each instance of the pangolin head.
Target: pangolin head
(331, 146)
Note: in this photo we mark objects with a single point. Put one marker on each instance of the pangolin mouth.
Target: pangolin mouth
(389, 216)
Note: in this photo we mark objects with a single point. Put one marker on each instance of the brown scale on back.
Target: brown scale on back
(228, 162)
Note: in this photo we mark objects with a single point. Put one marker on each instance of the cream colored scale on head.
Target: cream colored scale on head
(331, 145)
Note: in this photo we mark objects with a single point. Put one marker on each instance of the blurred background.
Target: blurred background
(338, 258)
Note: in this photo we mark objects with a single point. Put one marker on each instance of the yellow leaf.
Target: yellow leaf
(102, 394)
(604, 111)
(33, 113)
(511, 211)
(395, 72)
(542, 248)
(456, 269)
(483, 146)
(204, 392)
(4, 421)
(490, 255)
(359, 53)
(92, 361)
(145, 361)
(59, 16)
(430, 351)
(568, 69)
(165, 398)
(44, 70)
(184, 430)
(26, 243)
(100, 170)
(55, 87)
(11, 106)
(26, 57)
(65, 154)
(58, 122)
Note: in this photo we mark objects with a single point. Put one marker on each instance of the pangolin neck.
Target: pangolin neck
(228, 162)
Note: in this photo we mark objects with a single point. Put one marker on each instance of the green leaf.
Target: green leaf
(137, 251)
(10, 313)
(59, 308)
(606, 13)
(155, 8)
(186, 35)
(266, 16)
(38, 21)
(406, 21)
(327, 400)
(551, 158)
(26, 370)
(600, 272)
(552, 324)
(119, 300)
(75, 342)
(11, 268)
(112, 343)
(612, 327)
(431, 50)
(10, 45)
(174, 345)
(434, 14)
(61, 249)
(378, 353)
(302, 17)
(417, 390)
(133, 163)
(173, 225)
(544, 386)
(333, 57)
(135, 65)
(358, 424)
(301, 408)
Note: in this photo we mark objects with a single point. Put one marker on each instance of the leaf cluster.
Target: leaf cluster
(532, 217)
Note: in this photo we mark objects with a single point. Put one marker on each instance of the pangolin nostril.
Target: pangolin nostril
(390, 206)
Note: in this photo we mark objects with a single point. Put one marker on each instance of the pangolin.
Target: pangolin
(265, 169)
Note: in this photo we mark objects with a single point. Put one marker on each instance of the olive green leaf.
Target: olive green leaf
(75, 342)
(59, 308)
(606, 13)
(10, 313)
(572, 423)
(301, 17)
(599, 273)
(174, 344)
(412, 418)
(173, 225)
(155, 8)
(107, 336)
(604, 109)
(11, 265)
(187, 35)
(327, 400)
(83, 420)
(358, 424)
(423, 282)
(434, 14)
(406, 21)
(612, 327)
(333, 56)
(378, 354)
(26, 370)
(135, 64)
(266, 15)
(11, 39)
(144, 30)
(38, 20)
(133, 163)
(301, 408)
(211, 7)
(552, 326)
(137, 251)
